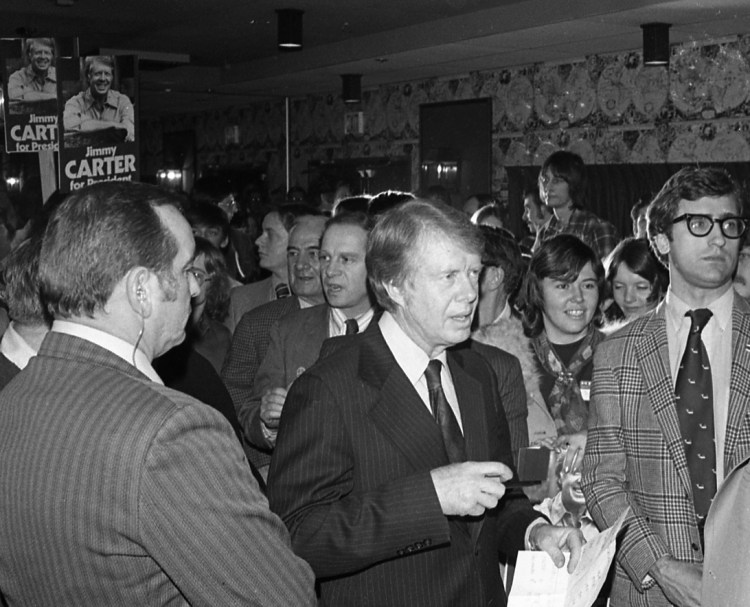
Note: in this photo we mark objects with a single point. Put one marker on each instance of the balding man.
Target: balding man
(114, 489)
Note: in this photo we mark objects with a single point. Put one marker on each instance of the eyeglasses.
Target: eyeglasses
(200, 276)
(701, 225)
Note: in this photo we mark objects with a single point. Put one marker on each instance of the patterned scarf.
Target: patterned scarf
(565, 402)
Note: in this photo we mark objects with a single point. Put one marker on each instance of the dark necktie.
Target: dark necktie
(449, 428)
(694, 397)
(282, 290)
(351, 326)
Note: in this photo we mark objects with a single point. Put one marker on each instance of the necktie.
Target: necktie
(694, 398)
(351, 326)
(449, 428)
(282, 290)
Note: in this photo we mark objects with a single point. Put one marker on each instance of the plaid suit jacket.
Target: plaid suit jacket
(244, 298)
(294, 345)
(635, 456)
(116, 490)
(248, 349)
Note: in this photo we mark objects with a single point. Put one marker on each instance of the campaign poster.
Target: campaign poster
(99, 138)
(30, 90)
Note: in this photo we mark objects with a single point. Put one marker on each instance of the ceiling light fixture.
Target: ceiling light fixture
(656, 43)
(351, 88)
(289, 22)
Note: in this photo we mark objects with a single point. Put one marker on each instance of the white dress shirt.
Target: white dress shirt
(717, 337)
(413, 362)
(15, 348)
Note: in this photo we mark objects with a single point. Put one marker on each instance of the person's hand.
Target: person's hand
(548, 441)
(271, 404)
(681, 582)
(470, 488)
(553, 540)
(570, 443)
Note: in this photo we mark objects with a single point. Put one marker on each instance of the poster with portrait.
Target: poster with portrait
(30, 91)
(98, 114)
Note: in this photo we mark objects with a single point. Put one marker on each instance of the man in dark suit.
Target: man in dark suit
(388, 506)
(643, 452)
(114, 489)
(252, 334)
(296, 339)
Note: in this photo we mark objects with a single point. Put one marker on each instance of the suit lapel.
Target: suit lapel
(306, 340)
(469, 394)
(467, 391)
(396, 409)
(739, 386)
(653, 355)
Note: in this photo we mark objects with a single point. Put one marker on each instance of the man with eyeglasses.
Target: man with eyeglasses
(671, 393)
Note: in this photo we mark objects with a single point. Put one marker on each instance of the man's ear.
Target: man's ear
(139, 290)
(395, 293)
(662, 244)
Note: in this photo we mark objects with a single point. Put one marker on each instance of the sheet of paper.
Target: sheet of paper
(538, 583)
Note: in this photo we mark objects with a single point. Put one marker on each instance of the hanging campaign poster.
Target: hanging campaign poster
(30, 91)
(98, 141)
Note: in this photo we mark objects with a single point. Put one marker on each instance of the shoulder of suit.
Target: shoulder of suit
(271, 310)
(467, 355)
(251, 290)
(492, 352)
(305, 315)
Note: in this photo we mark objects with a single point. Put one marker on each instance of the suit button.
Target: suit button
(428, 542)
(400, 553)
(419, 545)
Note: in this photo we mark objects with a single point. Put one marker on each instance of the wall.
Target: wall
(609, 109)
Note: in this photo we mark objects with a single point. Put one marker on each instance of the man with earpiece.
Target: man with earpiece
(114, 489)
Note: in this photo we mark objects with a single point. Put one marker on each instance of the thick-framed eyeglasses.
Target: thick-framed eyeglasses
(701, 225)
(200, 276)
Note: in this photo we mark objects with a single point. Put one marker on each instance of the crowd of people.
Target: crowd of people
(372, 374)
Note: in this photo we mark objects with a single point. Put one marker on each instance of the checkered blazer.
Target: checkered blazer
(248, 349)
(635, 456)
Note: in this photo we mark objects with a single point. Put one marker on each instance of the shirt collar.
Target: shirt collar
(49, 77)
(117, 346)
(409, 356)
(15, 348)
(338, 318)
(721, 309)
(109, 101)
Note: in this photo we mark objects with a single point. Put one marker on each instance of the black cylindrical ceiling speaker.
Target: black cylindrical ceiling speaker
(290, 28)
(351, 88)
(655, 43)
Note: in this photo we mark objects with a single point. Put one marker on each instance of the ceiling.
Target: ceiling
(231, 44)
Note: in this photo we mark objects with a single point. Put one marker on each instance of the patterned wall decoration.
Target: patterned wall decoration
(607, 108)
